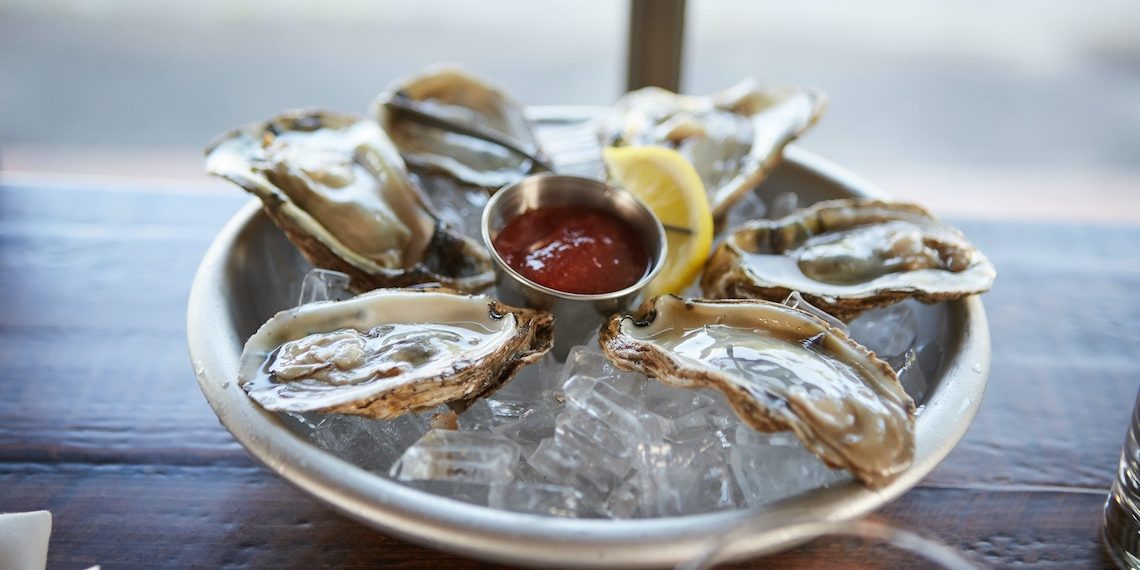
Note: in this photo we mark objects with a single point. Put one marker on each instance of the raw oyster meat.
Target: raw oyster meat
(780, 369)
(456, 95)
(337, 187)
(847, 256)
(390, 351)
(734, 138)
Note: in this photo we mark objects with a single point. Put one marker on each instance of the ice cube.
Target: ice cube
(478, 417)
(768, 473)
(654, 426)
(671, 402)
(912, 376)
(888, 332)
(530, 429)
(685, 478)
(537, 498)
(591, 362)
(368, 443)
(604, 400)
(524, 472)
(712, 485)
(716, 488)
(535, 387)
(930, 355)
(324, 285)
(507, 412)
(573, 459)
(708, 414)
(469, 457)
(933, 321)
(693, 425)
(621, 503)
(933, 329)
(655, 475)
(721, 415)
(615, 431)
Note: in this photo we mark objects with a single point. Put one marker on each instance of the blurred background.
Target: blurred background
(996, 108)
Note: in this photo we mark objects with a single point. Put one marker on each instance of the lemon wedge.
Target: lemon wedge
(670, 186)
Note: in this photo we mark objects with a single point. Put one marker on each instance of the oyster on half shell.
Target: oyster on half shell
(733, 138)
(461, 97)
(390, 351)
(848, 256)
(337, 187)
(781, 369)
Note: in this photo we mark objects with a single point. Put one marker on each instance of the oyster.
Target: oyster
(847, 256)
(390, 351)
(781, 369)
(460, 97)
(338, 189)
(734, 138)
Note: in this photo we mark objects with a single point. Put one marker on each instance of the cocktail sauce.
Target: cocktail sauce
(573, 249)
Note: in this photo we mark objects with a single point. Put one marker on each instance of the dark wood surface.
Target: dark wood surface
(102, 423)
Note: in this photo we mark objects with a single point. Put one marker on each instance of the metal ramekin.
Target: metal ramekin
(576, 316)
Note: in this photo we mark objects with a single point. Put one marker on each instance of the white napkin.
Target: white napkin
(24, 540)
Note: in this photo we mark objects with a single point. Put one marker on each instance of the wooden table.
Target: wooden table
(102, 422)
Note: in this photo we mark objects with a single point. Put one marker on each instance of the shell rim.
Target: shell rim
(868, 297)
(273, 198)
(509, 537)
(616, 339)
(532, 325)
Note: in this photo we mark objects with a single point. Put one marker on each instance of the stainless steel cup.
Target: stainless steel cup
(1122, 510)
(577, 316)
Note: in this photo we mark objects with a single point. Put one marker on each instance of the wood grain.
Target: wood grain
(102, 423)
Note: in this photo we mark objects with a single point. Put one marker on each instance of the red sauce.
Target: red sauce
(573, 249)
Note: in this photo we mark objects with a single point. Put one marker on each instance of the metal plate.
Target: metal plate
(251, 271)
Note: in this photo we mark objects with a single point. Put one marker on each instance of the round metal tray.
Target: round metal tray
(251, 271)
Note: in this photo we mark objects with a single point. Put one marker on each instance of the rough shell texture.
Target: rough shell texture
(734, 138)
(848, 256)
(390, 351)
(336, 186)
(459, 96)
(781, 369)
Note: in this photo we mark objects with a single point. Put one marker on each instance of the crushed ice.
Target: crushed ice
(585, 439)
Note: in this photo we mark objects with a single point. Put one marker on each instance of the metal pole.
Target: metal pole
(656, 34)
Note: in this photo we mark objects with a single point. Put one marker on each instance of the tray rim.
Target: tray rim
(518, 538)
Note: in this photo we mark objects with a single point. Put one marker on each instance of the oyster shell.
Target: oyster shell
(733, 138)
(390, 351)
(781, 369)
(459, 96)
(848, 256)
(337, 187)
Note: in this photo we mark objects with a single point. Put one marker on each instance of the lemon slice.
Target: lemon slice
(670, 186)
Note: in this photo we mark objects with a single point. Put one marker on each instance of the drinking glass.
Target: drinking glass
(1122, 510)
